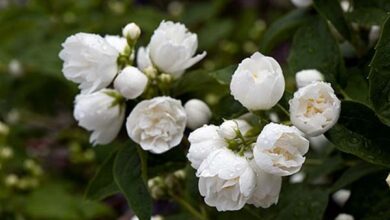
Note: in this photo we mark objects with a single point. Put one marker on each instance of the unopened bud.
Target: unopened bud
(198, 113)
(6, 152)
(11, 180)
(131, 32)
(4, 129)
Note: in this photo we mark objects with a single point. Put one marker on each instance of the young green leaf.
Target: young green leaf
(283, 29)
(331, 10)
(379, 78)
(103, 184)
(128, 177)
(314, 47)
(224, 76)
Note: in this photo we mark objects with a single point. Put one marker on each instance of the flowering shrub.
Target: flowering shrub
(300, 134)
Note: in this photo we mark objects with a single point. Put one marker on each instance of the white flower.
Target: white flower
(306, 77)
(203, 141)
(198, 113)
(15, 68)
(172, 48)
(267, 188)
(143, 59)
(346, 6)
(341, 196)
(344, 216)
(315, 108)
(155, 217)
(131, 82)
(228, 129)
(226, 180)
(302, 3)
(280, 149)
(89, 60)
(374, 33)
(258, 82)
(131, 31)
(98, 112)
(388, 180)
(157, 124)
(119, 43)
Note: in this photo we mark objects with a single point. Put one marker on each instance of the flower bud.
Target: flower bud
(302, 3)
(314, 109)
(11, 180)
(198, 113)
(165, 78)
(4, 129)
(344, 216)
(157, 187)
(298, 177)
(388, 180)
(341, 197)
(229, 129)
(373, 36)
(258, 82)
(6, 152)
(131, 82)
(15, 68)
(305, 77)
(131, 31)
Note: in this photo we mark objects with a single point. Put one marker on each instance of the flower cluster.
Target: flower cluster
(237, 165)
(108, 79)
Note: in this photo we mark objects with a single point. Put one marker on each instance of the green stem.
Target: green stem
(313, 161)
(345, 95)
(188, 207)
(283, 109)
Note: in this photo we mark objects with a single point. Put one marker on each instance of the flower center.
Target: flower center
(281, 151)
(315, 106)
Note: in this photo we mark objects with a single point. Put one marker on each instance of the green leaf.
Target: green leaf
(361, 133)
(282, 29)
(224, 76)
(314, 47)
(327, 167)
(331, 10)
(370, 198)
(380, 4)
(198, 83)
(103, 184)
(298, 201)
(128, 177)
(379, 77)
(367, 16)
(55, 202)
(353, 174)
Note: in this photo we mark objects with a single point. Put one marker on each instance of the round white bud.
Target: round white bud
(131, 31)
(131, 82)
(198, 113)
(305, 77)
